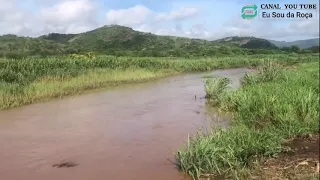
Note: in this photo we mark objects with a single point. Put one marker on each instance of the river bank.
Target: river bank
(34, 80)
(274, 105)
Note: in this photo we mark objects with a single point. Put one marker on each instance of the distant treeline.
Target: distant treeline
(123, 41)
(219, 52)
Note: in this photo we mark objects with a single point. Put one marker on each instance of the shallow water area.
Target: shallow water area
(125, 132)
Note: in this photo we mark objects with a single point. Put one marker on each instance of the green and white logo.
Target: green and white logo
(249, 11)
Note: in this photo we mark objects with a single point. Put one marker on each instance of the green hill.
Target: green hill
(247, 42)
(235, 40)
(118, 39)
(124, 41)
(57, 37)
(15, 46)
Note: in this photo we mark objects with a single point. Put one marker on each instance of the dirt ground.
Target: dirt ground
(301, 162)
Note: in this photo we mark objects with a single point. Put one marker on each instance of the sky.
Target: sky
(205, 19)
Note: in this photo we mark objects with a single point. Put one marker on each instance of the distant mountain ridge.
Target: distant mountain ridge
(303, 44)
(248, 42)
(124, 41)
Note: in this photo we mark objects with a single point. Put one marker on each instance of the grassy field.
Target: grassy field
(31, 80)
(275, 104)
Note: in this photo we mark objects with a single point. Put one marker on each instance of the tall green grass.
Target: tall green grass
(273, 105)
(13, 95)
(215, 88)
(30, 69)
(268, 71)
(20, 79)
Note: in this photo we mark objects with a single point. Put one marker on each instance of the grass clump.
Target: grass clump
(266, 72)
(226, 152)
(267, 111)
(208, 76)
(215, 88)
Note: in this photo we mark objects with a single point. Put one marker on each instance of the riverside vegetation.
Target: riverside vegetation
(31, 79)
(275, 104)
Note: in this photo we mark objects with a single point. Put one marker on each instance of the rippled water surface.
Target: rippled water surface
(124, 133)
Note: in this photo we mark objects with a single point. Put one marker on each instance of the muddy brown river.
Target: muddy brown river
(128, 132)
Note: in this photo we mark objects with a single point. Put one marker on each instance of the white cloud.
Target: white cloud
(132, 16)
(181, 14)
(198, 31)
(144, 19)
(9, 12)
(66, 16)
(12, 19)
(139, 14)
(72, 16)
(68, 11)
(75, 16)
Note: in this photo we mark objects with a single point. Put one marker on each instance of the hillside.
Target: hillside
(124, 41)
(303, 44)
(20, 46)
(247, 42)
(57, 37)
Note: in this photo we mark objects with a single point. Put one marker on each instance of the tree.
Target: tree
(295, 48)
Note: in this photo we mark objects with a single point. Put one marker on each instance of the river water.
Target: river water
(128, 132)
